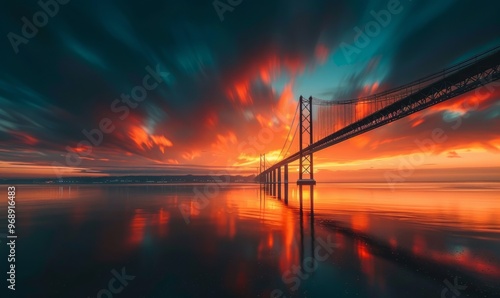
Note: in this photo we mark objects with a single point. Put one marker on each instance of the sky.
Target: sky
(204, 87)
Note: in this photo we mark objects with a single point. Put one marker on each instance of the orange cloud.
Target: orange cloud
(224, 141)
(190, 155)
(240, 92)
(142, 139)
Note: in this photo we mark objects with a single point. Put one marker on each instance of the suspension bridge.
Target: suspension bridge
(324, 123)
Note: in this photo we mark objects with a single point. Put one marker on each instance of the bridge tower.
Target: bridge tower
(306, 170)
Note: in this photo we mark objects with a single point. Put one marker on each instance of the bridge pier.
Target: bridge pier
(301, 196)
(274, 183)
(270, 188)
(286, 184)
(270, 182)
(306, 182)
(267, 182)
(311, 195)
(279, 182)
(269, 176)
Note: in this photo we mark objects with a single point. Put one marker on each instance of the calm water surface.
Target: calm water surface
(363, 240)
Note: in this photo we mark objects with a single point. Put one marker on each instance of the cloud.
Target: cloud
(453, 154)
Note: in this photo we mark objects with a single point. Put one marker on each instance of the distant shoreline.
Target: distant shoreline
(185, 179)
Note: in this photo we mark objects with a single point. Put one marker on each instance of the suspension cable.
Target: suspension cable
(289, 131)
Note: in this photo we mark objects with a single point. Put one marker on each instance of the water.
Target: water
(363, 240)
